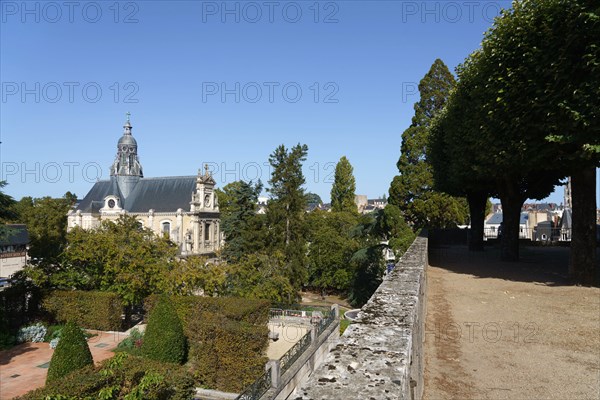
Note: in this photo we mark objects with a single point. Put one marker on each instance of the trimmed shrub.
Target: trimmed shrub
(71, 354)
(224, 354)
(255, 312)
(227, 338)
(91, 310)
(121, 376)
(164, 339)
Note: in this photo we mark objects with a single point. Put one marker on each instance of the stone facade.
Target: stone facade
(183, 208)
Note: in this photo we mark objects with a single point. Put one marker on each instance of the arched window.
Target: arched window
(166, 229)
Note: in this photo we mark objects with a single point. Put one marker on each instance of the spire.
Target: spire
(127, 162)
(127, 127)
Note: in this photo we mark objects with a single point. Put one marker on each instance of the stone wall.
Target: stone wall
(381, 355)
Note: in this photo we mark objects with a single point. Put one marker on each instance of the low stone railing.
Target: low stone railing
(281, 377)
(380, 356)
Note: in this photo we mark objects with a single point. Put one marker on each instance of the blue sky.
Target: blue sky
(222, 83)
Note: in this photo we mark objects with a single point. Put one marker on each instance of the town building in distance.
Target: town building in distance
(13, 252)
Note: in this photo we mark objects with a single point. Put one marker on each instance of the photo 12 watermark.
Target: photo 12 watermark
(53, 12)
(224, 172)
(452, 12)
(50, 172)
(254, 12)
(270, 92)
(489, 332)
(69, 92)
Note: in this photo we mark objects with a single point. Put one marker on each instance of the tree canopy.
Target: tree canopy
(344, 187)
(412, 191)
(520, 118)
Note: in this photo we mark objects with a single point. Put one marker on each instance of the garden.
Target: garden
(188, 342)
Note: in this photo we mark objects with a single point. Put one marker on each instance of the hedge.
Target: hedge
(224, 354)
(227, 339)
(164, 339)
(255, 312)
(71, 354)
(121, 376)
(89, 309)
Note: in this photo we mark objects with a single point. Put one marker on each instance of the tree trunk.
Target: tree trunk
(582, 264)
(477, 202)
(512, 201)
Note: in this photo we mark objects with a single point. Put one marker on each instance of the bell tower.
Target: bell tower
(127, 169)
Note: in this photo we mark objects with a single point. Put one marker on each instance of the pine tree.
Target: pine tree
(71, 354)
(344, 187)
(242, 198)
(412, 190)
(286, 209)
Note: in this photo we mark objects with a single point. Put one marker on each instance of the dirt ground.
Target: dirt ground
(509, 331)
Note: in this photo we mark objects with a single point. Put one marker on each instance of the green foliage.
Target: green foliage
(72, 353)
(331, 247)
(240, 200)
(344, 187)
(391, 227)
(123, 377)
(227, 338)
(313, 199)
(164, 340)
(254, 312)
(286, 210)
(6, 212)
(46, 220)
(226, 355)
(20, 304)
(260, 276)
(413, 190)
(132, 343)
(92, 310)
(124, 258)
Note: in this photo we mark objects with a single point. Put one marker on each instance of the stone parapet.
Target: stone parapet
(380, 356)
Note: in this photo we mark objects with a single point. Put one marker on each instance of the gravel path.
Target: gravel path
(509, 331)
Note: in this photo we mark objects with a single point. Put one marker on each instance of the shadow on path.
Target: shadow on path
(548, 265)
(7, 355)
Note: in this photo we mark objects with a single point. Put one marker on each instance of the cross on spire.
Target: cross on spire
(128, 115)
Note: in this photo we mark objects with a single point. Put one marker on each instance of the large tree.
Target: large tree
(536, 87)
(455, 156)
(6, 212)
(331, 248)
(46, 220)
(124, 258)
(344, 187)
(412, 191)
(240, 201)
(286, 210)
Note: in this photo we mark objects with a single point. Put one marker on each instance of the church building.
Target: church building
(183, 208)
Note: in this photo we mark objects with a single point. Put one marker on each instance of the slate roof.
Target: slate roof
(496, 219)
(166, 194)
(566, 222)
(17, 236)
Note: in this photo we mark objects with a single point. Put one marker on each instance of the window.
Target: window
(166, 229)
(207, 232)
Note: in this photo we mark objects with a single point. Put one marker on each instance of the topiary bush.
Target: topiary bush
(71, 354)
(164, 339)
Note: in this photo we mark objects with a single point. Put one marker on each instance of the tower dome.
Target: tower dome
(127, 162)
